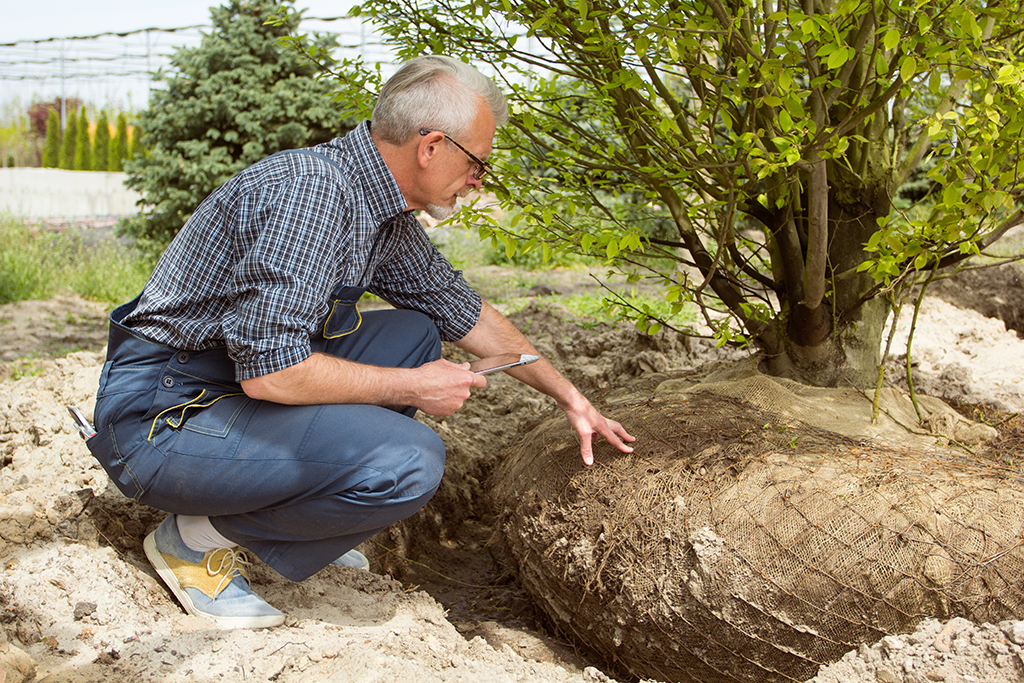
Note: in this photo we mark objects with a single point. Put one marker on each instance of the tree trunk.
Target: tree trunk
(838, 343)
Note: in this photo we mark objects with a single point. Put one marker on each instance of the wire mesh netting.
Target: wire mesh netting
(735, 546)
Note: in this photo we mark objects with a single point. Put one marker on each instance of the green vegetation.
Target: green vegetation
(51, 149)
(101, 144)
(68, 142)
(33, 137)
(464, 248)
(38, 265)
(83, 145)
(238, 97)
(119, 149)
(20, 144)
(793, 169)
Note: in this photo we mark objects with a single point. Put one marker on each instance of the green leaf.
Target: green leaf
(908, 67)
(785, 121)
(891, 39)
(838, 58)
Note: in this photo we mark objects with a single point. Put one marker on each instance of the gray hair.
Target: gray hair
(434, 92)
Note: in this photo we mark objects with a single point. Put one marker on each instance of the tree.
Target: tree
(39, 112)
(51, 148)
(135, 146)
(67, 148)
(119, 148)
(101, 144)
(83, 145)
(771, 138)
(239, 96)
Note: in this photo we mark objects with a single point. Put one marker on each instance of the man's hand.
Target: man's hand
(585, 419)
(441, 387)
(494, 334)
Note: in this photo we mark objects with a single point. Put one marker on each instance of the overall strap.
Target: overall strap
(309, 152)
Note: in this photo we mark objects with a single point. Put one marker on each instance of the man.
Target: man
(244, 392)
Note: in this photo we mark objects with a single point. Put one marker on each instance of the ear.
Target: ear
(428, 146)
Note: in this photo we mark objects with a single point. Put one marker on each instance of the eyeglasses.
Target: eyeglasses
(482, 167)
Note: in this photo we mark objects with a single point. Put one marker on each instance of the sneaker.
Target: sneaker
(214, 585)
(353, 558)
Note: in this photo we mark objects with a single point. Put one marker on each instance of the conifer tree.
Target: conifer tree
(83, 146)
(67, 148)
(135, 148)
(239, 96)
(119, 145)
(101, 144)
(51, 148)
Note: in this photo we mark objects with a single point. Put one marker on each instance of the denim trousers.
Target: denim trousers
(298, 486)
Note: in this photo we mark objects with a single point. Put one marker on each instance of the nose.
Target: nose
(472, 180)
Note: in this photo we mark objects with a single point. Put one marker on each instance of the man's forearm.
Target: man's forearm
(437, 388)
(494, 334)
(322, 378)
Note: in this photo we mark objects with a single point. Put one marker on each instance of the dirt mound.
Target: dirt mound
(995, 292)
(78, 601)
(735, 546)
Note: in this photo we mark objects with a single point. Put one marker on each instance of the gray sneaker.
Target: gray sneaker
(214, 585)
(353, 558)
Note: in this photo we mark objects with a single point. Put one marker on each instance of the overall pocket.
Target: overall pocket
(343, 317)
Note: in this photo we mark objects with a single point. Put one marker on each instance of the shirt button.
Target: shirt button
(182, 357)
(168, 382)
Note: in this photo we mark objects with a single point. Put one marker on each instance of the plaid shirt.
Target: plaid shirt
(255, 265)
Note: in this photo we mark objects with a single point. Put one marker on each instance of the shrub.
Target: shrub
(83, 146)
(239, 96)
(101, 144)
(119, 147)
(51, 149)
(67, 148)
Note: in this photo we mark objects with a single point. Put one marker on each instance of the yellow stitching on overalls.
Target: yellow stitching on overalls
(359, 321)
(193, 404)
(152, 427)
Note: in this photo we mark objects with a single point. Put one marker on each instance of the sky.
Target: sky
(108, 71)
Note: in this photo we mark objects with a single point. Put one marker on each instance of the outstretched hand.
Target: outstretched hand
(587, 421)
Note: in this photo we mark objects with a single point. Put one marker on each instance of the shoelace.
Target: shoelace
(232, 561)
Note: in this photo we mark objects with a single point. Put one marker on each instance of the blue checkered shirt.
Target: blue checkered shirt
(254, 266)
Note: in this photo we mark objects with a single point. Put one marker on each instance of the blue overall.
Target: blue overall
(296, 485)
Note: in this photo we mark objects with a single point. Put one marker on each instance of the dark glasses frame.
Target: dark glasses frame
(482, 167)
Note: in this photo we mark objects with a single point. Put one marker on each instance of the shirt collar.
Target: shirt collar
(380, 188)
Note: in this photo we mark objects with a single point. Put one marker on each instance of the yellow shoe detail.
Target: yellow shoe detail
(213, 574)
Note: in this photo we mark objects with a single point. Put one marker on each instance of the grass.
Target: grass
(465, 250)
(36, 264)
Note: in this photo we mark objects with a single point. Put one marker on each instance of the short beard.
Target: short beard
(440, 213)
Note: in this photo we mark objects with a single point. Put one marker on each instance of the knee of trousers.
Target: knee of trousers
(417, 325)
(423, 467)
(402, 470)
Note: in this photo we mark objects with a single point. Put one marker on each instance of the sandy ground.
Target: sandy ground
(79, 603)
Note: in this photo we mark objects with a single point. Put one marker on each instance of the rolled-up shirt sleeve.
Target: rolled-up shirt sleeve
(289, 245)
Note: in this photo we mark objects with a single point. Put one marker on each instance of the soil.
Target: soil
(79, 602)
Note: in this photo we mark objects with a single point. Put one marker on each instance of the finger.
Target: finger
(586, 448)
(613, 436)
(621, 431)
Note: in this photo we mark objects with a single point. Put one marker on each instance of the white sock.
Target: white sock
(198, 534)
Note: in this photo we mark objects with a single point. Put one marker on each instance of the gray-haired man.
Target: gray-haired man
(244, 392)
